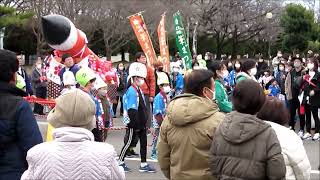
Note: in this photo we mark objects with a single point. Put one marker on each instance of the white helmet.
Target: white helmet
(162, 78)
(99, 83)
(69, 79)
(137, 69)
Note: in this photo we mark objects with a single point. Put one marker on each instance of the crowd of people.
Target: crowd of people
(224, 119)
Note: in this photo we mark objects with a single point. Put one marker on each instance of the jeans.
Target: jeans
(155, 142)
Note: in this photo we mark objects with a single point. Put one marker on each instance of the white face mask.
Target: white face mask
(38, 66)
(237, 65)
(296, 64)
(260, 60)
(225, 74)
(318, 69)
(281, 68)
(196, 67)
(213, 95)
(253, 71)
(310, 66)
(140, 82)
(206, 57)
(279, 55)
(166, 89)
(121, 68)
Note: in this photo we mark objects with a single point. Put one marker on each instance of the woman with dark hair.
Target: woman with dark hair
(196, 65)
(311, 99)
(275, 113)
(187, 130)
(122, 82)
(281, 77)
(244, 146)
(233, 73)
(219, 73)
(249, 70)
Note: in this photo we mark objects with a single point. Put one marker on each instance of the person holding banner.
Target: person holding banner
(68, 61)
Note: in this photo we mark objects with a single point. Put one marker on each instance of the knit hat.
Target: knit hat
(75, 108)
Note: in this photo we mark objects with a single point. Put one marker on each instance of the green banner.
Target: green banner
(181, 41)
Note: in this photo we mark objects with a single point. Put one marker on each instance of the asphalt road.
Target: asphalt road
(115, 138)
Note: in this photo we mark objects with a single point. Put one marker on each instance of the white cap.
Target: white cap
(68, 78)
(137, 69)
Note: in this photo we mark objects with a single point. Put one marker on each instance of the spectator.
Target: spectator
(23, 73)
(274, 89)
(73, 154)
(18, 127)
(122, 84)
(249, 70)
(281, 77)
(159, 69)
(292, 90)
(209, 58)
(177, 80)
(221, 97)
(233, 73)
(261, 67)
(40, 84)
(188, 129)
(234, 150)
(295, 157)
(311, 99)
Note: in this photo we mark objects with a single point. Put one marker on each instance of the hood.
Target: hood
(7, 88)
(72, 134)
(188, 108)
(238, 128)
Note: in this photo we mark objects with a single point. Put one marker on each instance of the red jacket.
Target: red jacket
(149, 87)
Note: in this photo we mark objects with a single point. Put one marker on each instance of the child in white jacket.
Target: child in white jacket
(297, 163)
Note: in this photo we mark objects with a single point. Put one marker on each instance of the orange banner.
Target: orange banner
(164, 48)
(140, 29)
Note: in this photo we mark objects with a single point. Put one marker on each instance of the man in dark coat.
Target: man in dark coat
(18, 127)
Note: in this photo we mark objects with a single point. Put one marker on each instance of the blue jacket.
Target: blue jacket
(274, 90)
(232, 78)
(18, 132)
(179, 84)
(74, 69)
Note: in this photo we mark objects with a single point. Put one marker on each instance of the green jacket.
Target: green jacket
(222, 98)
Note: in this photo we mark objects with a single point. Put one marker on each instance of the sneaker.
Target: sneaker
(131, 154)
(125, 167)
(300, 134)
(316, 137)
(154, 157)
(307, 136)
(147, 168)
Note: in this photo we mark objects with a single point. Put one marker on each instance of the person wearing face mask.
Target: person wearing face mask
(281, 77)
(135, 116)
(159, 109)
(177, 80)
(233, 74)
(292, 90)
(86, 78)
(221, 97)
(188, 129)
(249, 70)
(40, 83)
(122, 84)
(276, 60)
(311, 99)
(262, 66)
(68, 61)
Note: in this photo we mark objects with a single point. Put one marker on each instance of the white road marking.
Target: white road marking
(138, 159)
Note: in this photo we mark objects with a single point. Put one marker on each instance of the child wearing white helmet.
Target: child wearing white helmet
(69, 82)
(135, 116)
(159, 109)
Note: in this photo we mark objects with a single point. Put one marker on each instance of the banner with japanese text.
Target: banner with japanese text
(181, 41)
(141, 32)
(164, 48)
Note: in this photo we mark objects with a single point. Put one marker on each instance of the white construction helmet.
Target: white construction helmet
(162, 78)
(69, 79)
(99, 83)
(137, 69)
